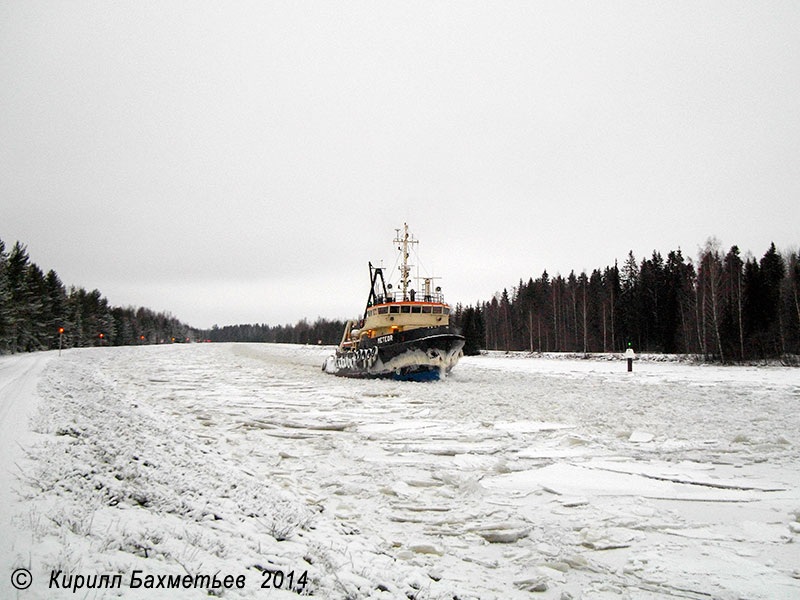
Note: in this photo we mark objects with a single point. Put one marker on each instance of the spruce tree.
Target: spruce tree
(732, 322)
(19, 327)
(629, 302)
(36, 309)
(5, 301)
(56, 303)
(472, 330)
(772, 269)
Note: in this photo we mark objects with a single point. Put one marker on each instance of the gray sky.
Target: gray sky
(242, 161)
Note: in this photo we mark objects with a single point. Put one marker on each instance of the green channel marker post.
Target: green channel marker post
(630, 355)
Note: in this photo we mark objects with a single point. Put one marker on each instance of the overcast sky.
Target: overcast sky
(242, 161)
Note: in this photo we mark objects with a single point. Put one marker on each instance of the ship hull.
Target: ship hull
(421, 354)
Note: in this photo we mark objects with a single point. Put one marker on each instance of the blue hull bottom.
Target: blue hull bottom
(432, 375)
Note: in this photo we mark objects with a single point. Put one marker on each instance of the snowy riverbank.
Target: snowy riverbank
(693, 359)
(569, 478)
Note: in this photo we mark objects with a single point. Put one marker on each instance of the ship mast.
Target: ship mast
(405, 268)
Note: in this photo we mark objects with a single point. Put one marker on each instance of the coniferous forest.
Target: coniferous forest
(723, 307)
(35, 305)
(322, 331)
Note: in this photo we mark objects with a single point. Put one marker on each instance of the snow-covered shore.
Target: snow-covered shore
(559, 477)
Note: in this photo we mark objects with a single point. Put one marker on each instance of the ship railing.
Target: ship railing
(434, 297)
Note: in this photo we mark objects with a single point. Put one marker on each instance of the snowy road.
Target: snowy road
(562, 478)
(19, 376)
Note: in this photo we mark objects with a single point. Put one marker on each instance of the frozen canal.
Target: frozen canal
(514, 478)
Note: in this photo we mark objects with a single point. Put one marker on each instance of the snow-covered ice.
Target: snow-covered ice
(561, 478)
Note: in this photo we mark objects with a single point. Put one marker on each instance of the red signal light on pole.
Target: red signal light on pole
(101, 336)
(60, 330)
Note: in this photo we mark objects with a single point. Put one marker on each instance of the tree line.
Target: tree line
(321, 331)
(35, 307)
(723, 307)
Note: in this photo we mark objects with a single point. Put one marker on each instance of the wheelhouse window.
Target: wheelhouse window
(426, 309)
(394, 309)
(437, 310)
(416, 309)
(382, 310)
(405, 309)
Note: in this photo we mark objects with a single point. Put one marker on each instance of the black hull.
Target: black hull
(417, 354)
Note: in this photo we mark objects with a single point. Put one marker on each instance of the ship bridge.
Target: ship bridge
(398, 316)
